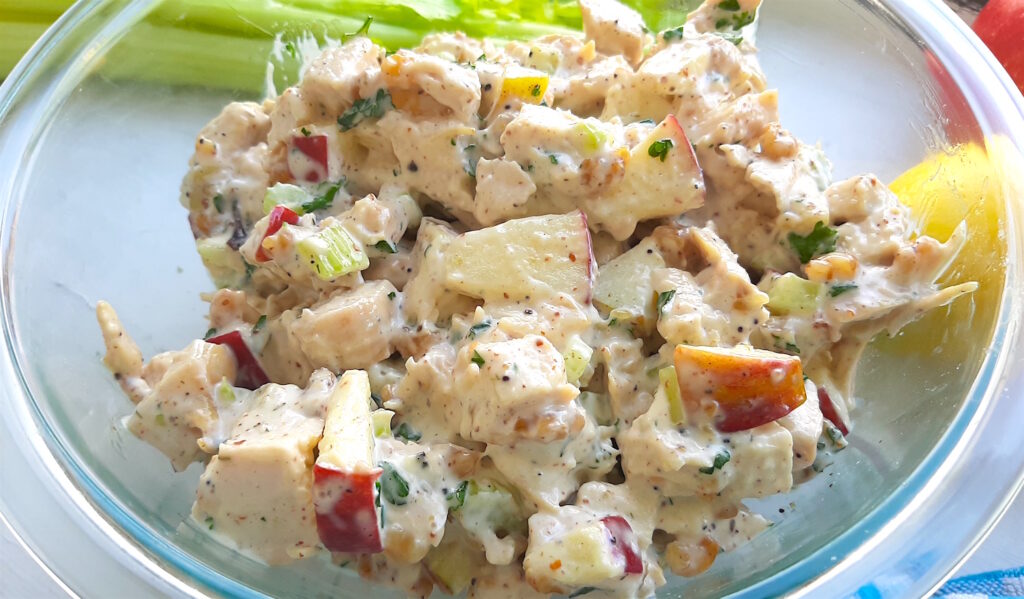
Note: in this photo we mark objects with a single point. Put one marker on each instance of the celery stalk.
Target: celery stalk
(333, 253)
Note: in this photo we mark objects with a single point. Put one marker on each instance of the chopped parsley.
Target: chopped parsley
(664, 298)
(289, 47)
(407, 432)
(821, 240)
(391, 295)
(210, 332)
(670, 35)
(260, 323)
(218, 203)
(366, 108)
(325, 200)
(386, 246)
(305, 132)
(781, 343)
(721, 459)
(477, 358)
(393, 488)
(730, 5)
(660, 148)
(730, 36)
(479, 327)
(841, 288)
(457, 496)
(553, 158)
(209, 522)
(363, 30)
(535, 90)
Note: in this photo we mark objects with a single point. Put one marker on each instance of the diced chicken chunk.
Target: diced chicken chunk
(615, 28)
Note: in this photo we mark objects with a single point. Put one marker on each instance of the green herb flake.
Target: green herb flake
(743, 19)
(730, 5)
(479, 327)
(841, 288)
(535, 90)
(730, 36)
(553, 158)
(305, 132)
(289, 47)
(263, 518)
(386, 246)
(664, 298)
(407, 432)
(363, 31)
(721, 459)
(325, 200)
(260, 323)
(209, 522)
(366, 108)
(218, 203)
(671, 35)
(210, 333)
(393, 488)
(582, 591)
(821, 240)
(477, 358)
(660, 148)
(453, 141)
(391, 295)
(456, 497)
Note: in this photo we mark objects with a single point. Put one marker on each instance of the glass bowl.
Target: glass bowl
(92, 150)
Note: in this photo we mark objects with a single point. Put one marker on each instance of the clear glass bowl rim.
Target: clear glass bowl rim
(887, 545)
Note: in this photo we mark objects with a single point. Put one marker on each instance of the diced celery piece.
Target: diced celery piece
(225, 265)
(449, 564)
(381, 423)
(287, 195)
(792, 295)
(490, 505)
(332, 253)
(599, 406)
(670, 382)
(225, 393)
(593, 138)
(577, 358)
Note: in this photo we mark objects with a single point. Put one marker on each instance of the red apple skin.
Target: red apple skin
(250, 374)
(346, 513)
(1000, 24)
(750, 389)
(624, 543)
(828, 410)
(314, 147)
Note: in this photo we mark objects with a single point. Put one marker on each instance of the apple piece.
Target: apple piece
(526, 85)
(662, 178)
(250, 374)
(308, 158)
(624, 543)
(345, 473)
(623, 289)
(829, 411)
(533, 257)
(750, 387)
(279, 216)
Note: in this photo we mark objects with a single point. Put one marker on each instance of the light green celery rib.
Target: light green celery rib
(228, 43)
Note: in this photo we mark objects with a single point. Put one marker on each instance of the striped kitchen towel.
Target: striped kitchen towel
(1001, 583)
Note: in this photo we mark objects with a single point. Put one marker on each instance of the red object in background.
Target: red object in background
(1001, 26)
(278, 216)
(250, 374)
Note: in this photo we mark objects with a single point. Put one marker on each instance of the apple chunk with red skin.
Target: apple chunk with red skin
(534, 257)
(750, 387)
(662, 178)
(345, 474)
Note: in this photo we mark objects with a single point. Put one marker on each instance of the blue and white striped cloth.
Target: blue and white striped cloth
(1003, 583)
